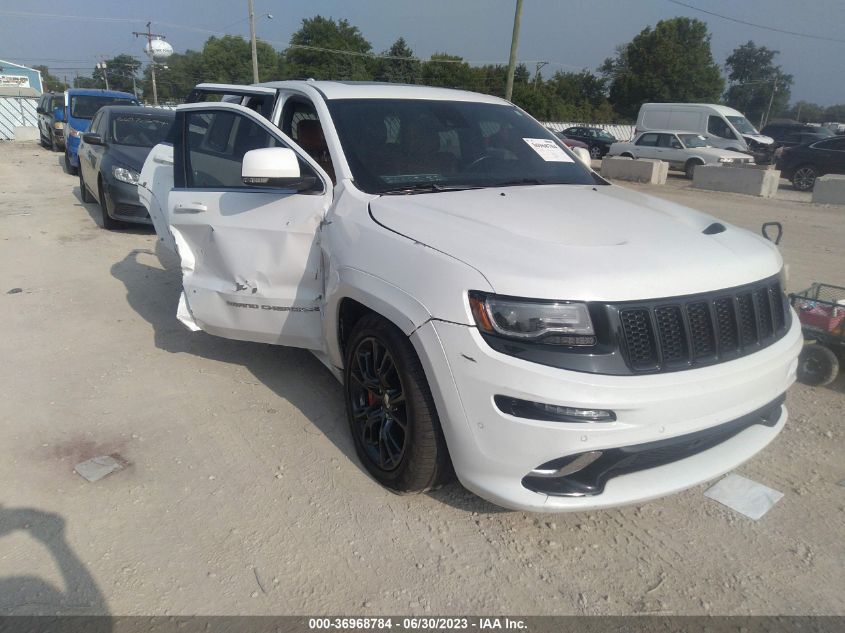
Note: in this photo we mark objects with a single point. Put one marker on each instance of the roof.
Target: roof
(137, 110)
(98, 92)
(377, 90)
(721, 109)
(671, 132)
(3, 62)
(18, 91)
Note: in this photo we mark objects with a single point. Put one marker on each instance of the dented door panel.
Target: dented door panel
(154, 186)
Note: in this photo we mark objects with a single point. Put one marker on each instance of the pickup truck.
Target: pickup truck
(493, 308)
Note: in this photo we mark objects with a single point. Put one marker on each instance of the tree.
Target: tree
(175, 80)
(671, 62)
(122, 71)
(755, 81)
(303, 59)
(396, 70)
(50, 83)
(228, 59)
(806, 112)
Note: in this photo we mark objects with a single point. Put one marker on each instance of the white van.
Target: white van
(723, 126)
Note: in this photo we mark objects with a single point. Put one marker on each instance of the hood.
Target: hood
(580, 242)
(759, 138)
(129, 156)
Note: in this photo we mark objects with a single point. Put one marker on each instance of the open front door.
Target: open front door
(250, 253)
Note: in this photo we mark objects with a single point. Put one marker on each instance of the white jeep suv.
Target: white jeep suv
(491, 306)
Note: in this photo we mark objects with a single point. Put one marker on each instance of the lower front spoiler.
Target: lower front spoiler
(558, 480)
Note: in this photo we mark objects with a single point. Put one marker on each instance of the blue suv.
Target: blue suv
(81, 104)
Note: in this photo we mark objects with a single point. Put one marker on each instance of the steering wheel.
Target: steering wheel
(473, 166)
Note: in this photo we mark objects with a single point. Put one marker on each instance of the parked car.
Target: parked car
(490, 305)
(80, 107)
(724, 127)
(598, 141)
(51, 116)
(571, 143)
(802, 164)
(111, 155)
(792, 133)
(683, 151)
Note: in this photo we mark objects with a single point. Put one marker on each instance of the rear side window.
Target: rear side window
(648, 140)
(837, 144)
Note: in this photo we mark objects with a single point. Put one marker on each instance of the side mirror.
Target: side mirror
(93, 139)
(582, 155)
(59, 113)
(274, 167)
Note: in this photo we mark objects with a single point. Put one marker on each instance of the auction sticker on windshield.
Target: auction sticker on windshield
(548, 150)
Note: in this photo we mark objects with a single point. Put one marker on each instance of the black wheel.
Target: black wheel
(626, 155)
(84, 194)
(68, 167)
(45, 142)
(689, 168)
(817, 365)
(595, 152)
(804, 178)
(391, 413)
(109, 223)
(54, 144)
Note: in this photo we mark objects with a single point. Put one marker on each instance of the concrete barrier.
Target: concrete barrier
(26, 133)
(751, 182)
(829, 190)
(647, 170)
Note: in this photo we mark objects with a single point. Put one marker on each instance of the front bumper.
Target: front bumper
(493, 452)
(72, 149)
(124, 204)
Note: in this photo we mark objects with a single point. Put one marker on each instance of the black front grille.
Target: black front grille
(680, 333)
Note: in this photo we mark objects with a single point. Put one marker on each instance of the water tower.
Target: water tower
(158, 51)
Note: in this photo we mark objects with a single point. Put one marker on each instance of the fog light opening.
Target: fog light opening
(551, 412)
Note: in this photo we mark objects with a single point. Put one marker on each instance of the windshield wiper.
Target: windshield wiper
(427, 187)
(520, 181)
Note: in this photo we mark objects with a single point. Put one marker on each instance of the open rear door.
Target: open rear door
(251, 265)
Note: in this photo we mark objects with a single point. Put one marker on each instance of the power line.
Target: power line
(759, 26)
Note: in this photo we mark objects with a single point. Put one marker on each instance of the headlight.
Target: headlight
(126, 175)
(549, 322)
(58, 125)
(727, 160)
(73, 133)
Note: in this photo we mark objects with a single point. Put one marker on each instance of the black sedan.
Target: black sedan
(802, 164)
(598, 141)
(111, 156)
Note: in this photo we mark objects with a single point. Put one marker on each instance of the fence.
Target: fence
(15, 112)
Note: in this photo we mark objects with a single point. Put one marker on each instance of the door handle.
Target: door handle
(194, 207)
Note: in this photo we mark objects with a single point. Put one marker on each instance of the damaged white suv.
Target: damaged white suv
(490, 305)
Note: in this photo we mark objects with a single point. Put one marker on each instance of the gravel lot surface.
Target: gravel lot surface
(241, 492)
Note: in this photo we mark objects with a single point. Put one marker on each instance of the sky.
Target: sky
(570, 34)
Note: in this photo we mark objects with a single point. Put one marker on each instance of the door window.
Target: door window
(301, 123)
(648, 140)
(836, 144)
(717, 126)
(216, 142)
(95, 124)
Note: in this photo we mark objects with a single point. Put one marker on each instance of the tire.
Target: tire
(109, 223)
(84, 194)
(804, 177)
(45, 142)
(689, 168)
(817, 365)
(595, 152)
(68, 167)
(384, 382)
(626, 155)
(54, 145)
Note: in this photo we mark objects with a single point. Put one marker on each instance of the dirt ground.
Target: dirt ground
(242, 493)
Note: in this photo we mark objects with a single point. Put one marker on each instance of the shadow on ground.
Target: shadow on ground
(28, 595)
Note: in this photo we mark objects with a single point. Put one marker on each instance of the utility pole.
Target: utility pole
(514, 45)
(150, 36)
(537, 74)
(765, 117)
(102, 66)
(253, 42)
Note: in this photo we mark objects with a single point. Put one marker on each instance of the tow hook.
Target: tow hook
(774, 225)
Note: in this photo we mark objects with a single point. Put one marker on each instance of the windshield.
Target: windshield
(140, 131)
(693, 140)
(742, 124)
(86, 106)
(402, 145)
